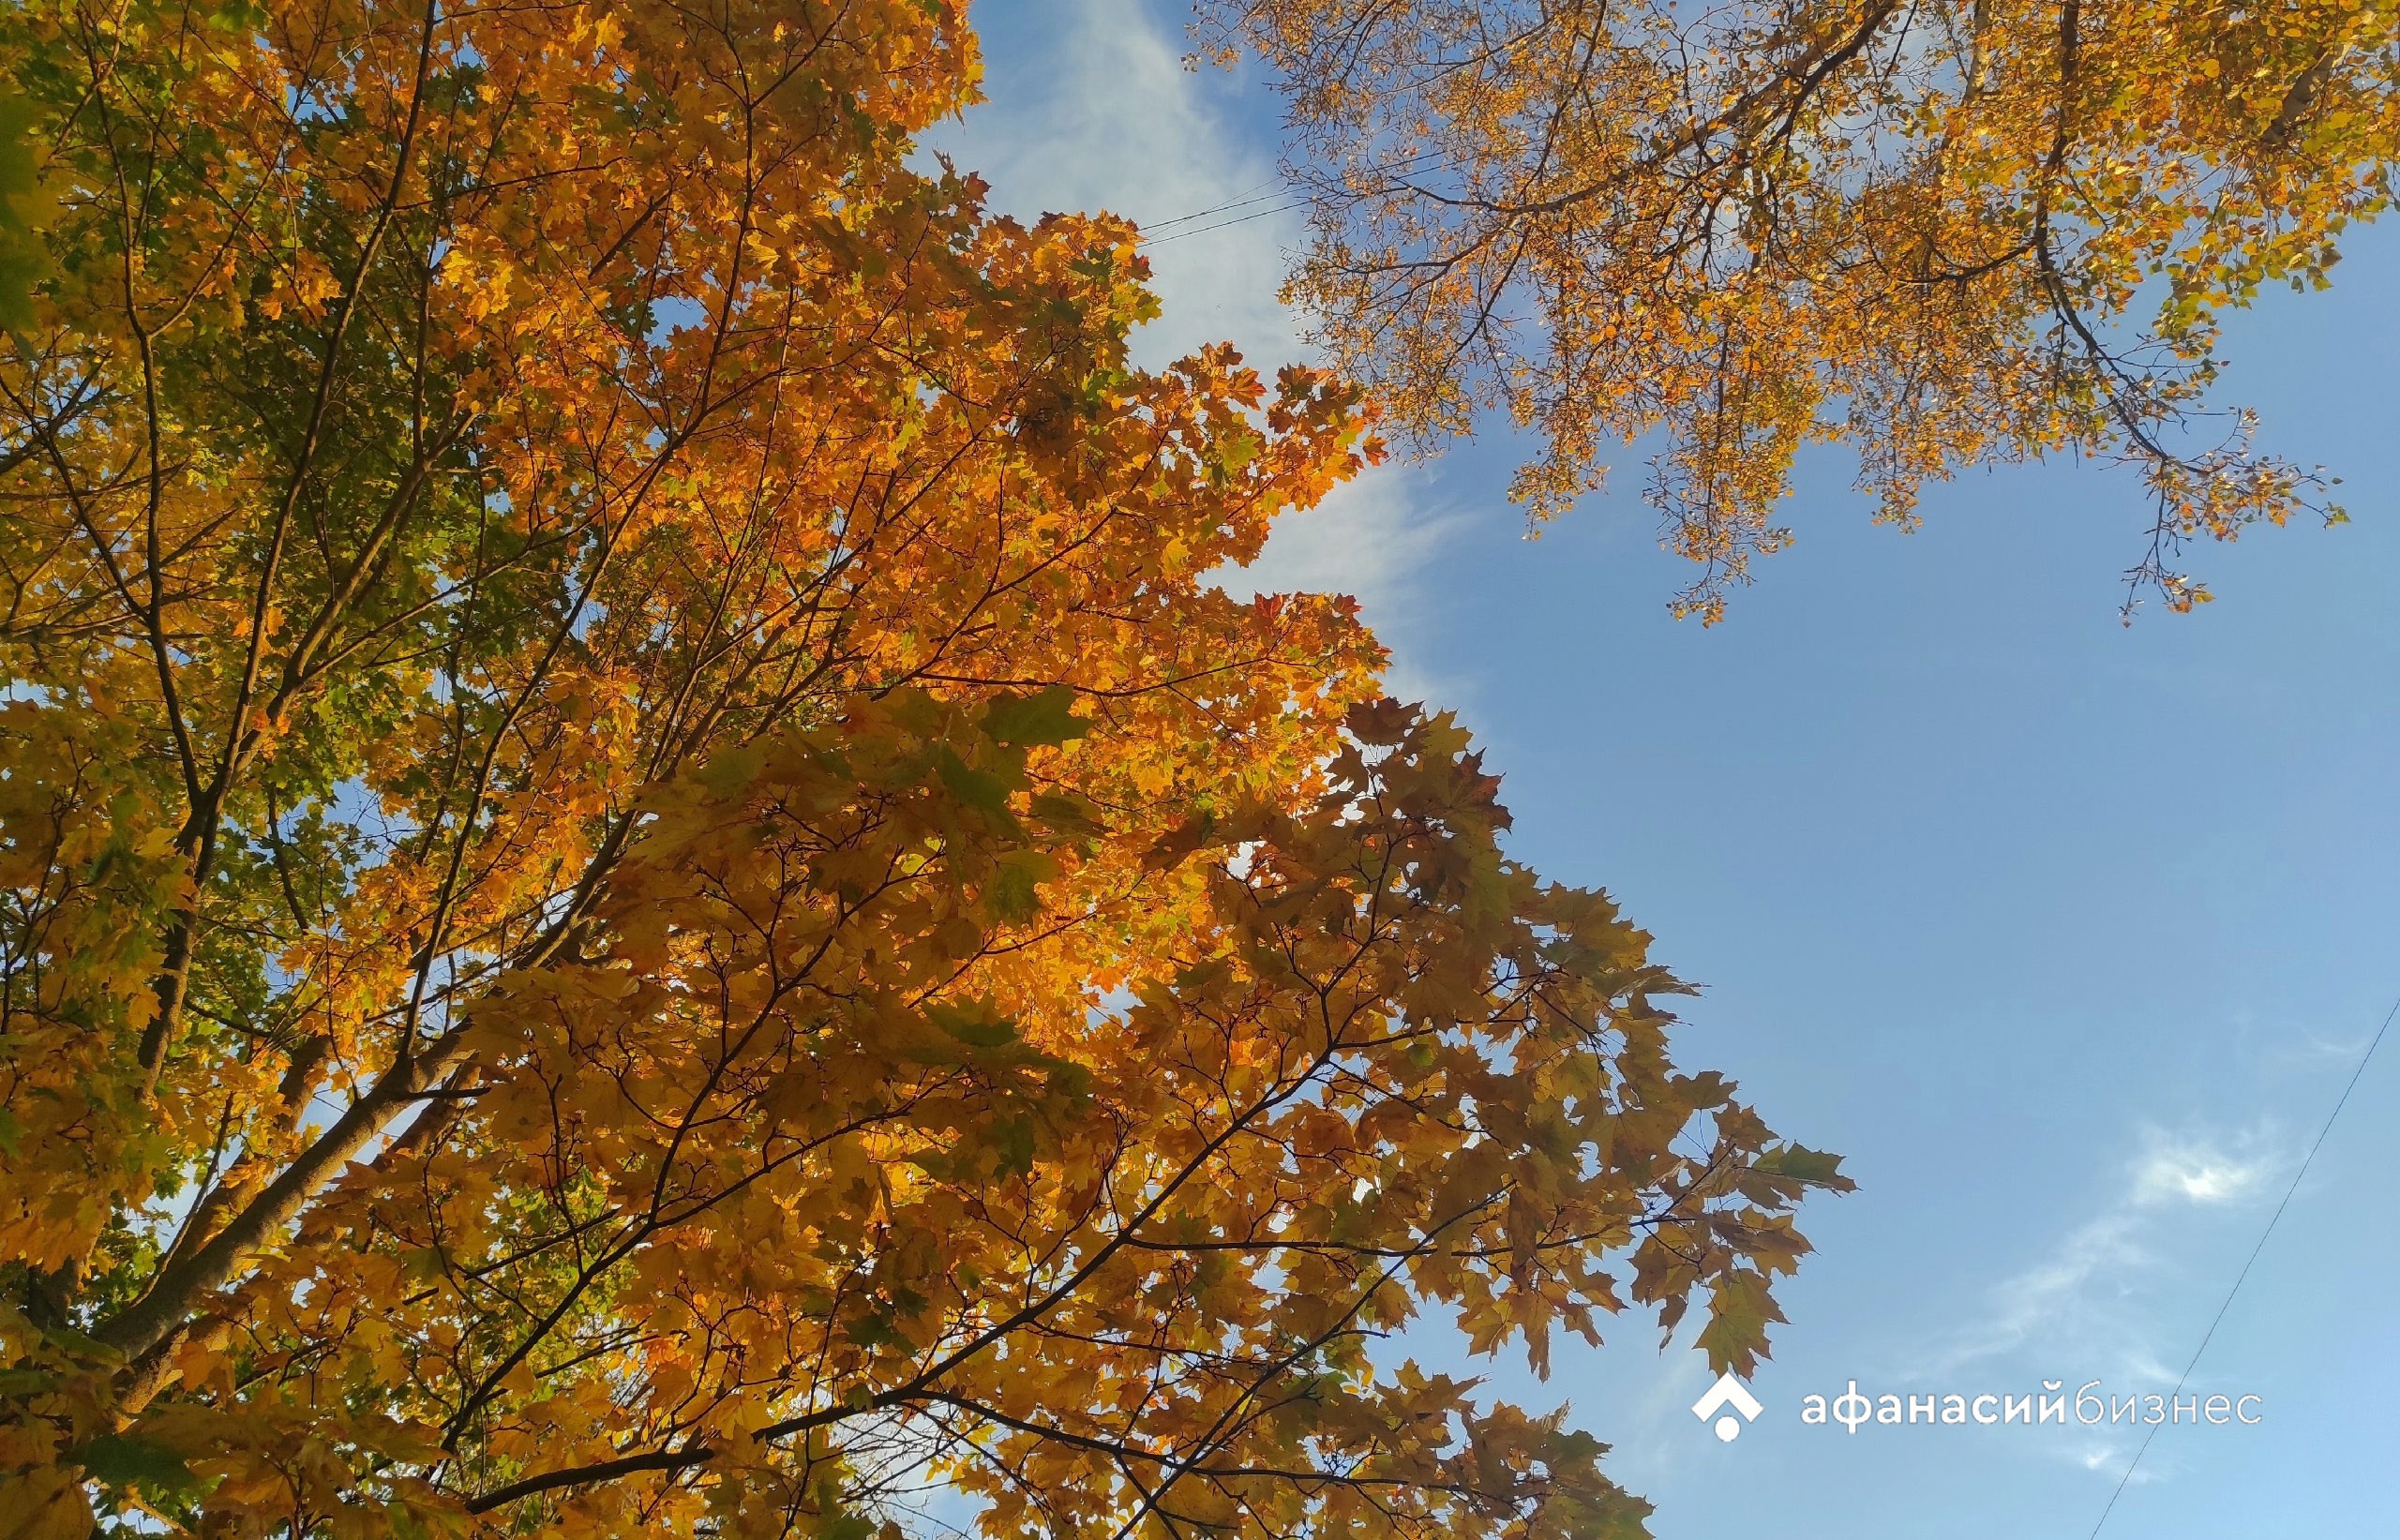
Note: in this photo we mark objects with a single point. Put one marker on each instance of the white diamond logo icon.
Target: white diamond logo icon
(1728, 1391)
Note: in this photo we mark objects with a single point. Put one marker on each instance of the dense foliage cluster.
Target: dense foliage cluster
(1930, 232)
(643, 891)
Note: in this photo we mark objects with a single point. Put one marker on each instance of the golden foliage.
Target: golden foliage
(646, 890)
(1924, 231)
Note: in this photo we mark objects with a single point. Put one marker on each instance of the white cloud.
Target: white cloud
(2051, 1296)
(2083, 1304)
(2195, 1173)
(2090, 1306)
(1107, 117)
(1369, 540)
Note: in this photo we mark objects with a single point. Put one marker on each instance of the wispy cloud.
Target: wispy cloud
(2195, 1170)
(2093, 1282)
(2091, 1305)
(1108, 117)
(2091, 1262)
(2087, 1298)
(1369, 539)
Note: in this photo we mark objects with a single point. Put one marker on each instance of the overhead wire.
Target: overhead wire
(2227, 1304)
(1250, 196)
(1255, 193)
(1291, 208)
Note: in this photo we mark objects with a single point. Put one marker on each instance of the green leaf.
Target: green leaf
(846, 1526)
(90, 1348)
(974, 1025)
(1012, 1138)
(1739, 1312)
(728, 773)
(1011, 895)
(1046, 716)
(25, 208)
(1013, 892)
(873, 1330)
(1801, 1164)
(120, 1461)
(977, 788)
(1068, 815)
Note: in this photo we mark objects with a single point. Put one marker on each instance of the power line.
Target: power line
(1255, 193)
(2373, 1043)
(1227, 224)
(1291, 202)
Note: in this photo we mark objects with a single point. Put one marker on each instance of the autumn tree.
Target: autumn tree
(1942, 233)
(647, 891)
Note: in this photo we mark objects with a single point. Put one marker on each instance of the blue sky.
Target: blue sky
(2066, 935)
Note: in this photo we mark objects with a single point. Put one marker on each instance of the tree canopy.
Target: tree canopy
(1940, 233)
(647, 891)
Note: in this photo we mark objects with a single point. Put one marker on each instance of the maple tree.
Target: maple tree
(1931, 231)
(646, 889)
